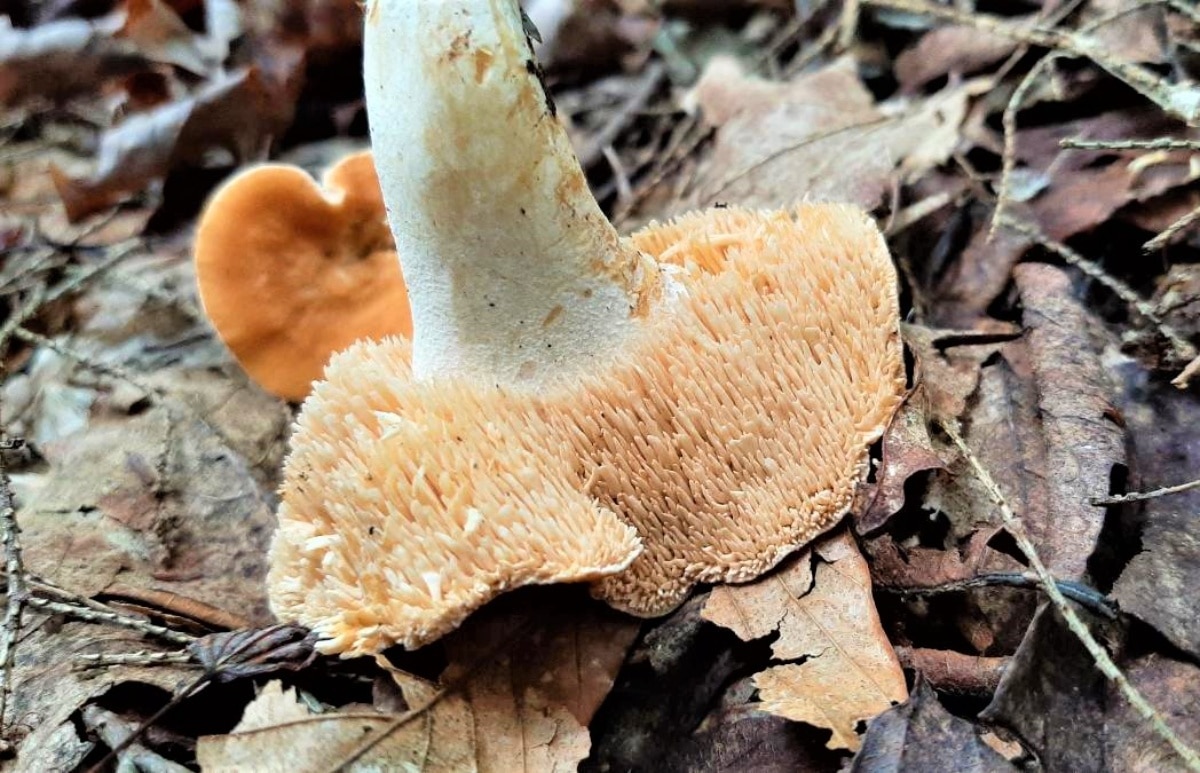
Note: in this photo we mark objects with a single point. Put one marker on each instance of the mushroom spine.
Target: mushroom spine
(514, 274)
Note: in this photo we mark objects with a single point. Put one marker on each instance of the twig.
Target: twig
(1009, 155)
(1181, 100)
(1180, 346)
(1189, 372)
(40, 299)
(1142, 496)
(140, 658)
(107, 617)
(1099, 655)
(955, 672)
(1084, 595)
(104, 369)
(1159, 143)
(1168, 233)
(648, 84)
(14, 608)
(848, 24)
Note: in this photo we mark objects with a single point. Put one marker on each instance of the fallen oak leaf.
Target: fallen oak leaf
(949, 49)
(821, 693)
(827, 616)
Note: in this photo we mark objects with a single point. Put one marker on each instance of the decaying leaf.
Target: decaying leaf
(242, 654)
(827, 616)
(162, 498)
(922, 737)
(1053, 691)
(279, 734)
(820, 137)
(238, 115)
(1042, 422)
(1083, 436)
(907, 450)
(48, 690)
(517, 694)
(1159, 585)
(62, 58)
(949, 49)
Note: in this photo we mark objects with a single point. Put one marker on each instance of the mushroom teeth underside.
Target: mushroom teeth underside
(733, 430)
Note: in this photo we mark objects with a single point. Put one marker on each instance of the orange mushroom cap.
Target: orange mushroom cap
(291, 272)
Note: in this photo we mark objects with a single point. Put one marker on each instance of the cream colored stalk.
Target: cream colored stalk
(513, 272)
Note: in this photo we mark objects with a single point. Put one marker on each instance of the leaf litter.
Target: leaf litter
(145, 488)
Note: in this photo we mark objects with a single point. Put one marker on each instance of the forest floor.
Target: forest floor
(1015, 587)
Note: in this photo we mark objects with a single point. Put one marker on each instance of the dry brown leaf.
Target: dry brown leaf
(1159, 585)
(922, 737)
(163, 498)
(49, 691)
(273, 706)
(60, 59)
(962, 296)
(1083, 435)
(915, 566)
(162, 36)
(1128, 34)
(827, 616)
(278, 734)
(1053, 692)
(238, 114)
(950, 49)
(1041, 421)
(907, 450)
(525, 675)
(818, 138)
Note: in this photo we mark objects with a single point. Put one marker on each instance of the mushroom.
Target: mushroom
(687, 405)
(291, 272)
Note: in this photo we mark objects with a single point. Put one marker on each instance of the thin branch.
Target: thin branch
(1169, 233)
(1009, 119)
(1099, 655)
(1181, 100)
(14, 608)
(648, 85)
(1142, 496)
(140, 658)
(1180, 346)
(1159, 143)
(1078, 592)
(107, 617)
(1189, 372)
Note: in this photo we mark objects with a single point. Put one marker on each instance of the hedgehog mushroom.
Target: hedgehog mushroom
(291, 272)
(687, 405)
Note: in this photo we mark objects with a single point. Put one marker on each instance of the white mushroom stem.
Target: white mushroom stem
(513, 272)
